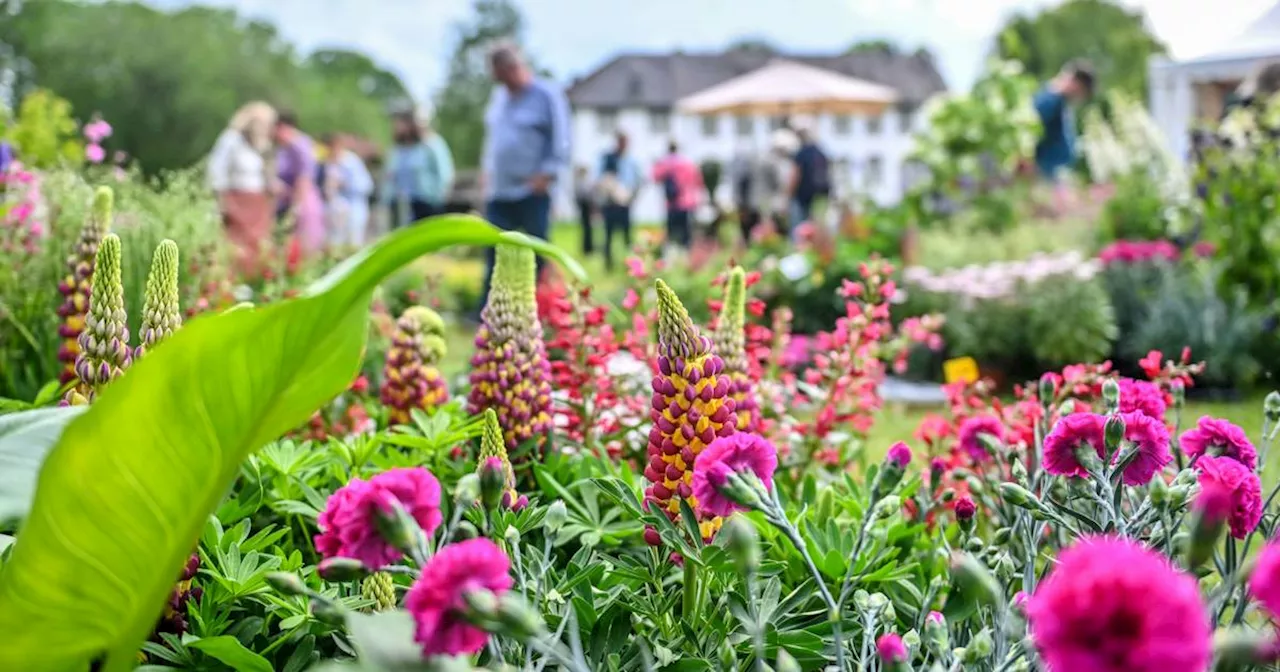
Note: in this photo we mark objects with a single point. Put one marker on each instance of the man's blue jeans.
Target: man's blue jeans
(531, 215)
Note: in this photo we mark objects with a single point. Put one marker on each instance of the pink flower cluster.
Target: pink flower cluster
(95, 132)
(437, 599)
(1229, 492)
(1138, 251)
(1147, 435)
(349, 522)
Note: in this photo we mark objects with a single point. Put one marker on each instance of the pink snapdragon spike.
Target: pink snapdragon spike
(891, 649)
(1229, 492)
(1212, 435)
(741, 452)
(1112, 605)
(349, 522)
(1066, 437)
(1264, 581)
(437, 599)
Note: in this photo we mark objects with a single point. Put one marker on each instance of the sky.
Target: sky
(572, 37)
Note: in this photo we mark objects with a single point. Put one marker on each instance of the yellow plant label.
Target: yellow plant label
(960, 369)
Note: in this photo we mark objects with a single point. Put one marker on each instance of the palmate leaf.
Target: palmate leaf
(125, 492)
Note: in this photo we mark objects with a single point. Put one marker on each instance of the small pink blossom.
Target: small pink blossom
(94, 153)
(1230, 492)
(349, 522)
(1227, 439)
(1151, 439)
(739, 452)
(437, 599)
(899, 454)
(96, 131)
(1067, 435)
(891, 649)
(631, 300)
(965, 508)
(973, 428)
(1141, 396)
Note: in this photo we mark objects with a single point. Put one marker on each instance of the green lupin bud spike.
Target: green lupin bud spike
(492, 444)
(730, 339)
(161, 315)
(516, 270)
(103, 203)
(431, 328)
(104, 343)
(675, 328)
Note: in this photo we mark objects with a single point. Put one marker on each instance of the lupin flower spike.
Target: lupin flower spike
(691, 407)
(381, 590)
(160, 313)
(411, 378)
(510, 372)
(104, 343)
(730, 343)
(493, 447)
(75, 286)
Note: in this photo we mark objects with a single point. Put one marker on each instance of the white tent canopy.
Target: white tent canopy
(787, 87)
(1184, 92)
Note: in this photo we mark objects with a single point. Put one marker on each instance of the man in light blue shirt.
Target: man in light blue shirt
(526, 147)
(619, 181)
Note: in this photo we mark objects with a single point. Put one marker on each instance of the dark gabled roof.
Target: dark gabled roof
(659, 80)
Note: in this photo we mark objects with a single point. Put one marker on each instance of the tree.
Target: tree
(343, 65)
(1116, 40)
(874, 46)
(460, 105)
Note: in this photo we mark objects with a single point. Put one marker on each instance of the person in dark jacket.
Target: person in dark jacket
(1056, 151)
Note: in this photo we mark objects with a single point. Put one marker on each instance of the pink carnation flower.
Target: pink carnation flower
(1228, 439)
(1111, 605)
(437, 599)
(1151, 438)
(96, 131)
(94, 153)
(1143, 397)
(975, 426)
(349, 522)
(891, 649)
(965, 508)
(742, 451)
(1229, 491)
(1264, 582)
(899, 454)
(1068, 434)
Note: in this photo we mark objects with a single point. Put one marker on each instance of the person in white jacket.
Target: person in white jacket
(239, 175)
(348, 186)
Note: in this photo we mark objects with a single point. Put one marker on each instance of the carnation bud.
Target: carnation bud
(481, 606)
(743, 542)
(493, 482)
(1178, 496)
(1113, 433)
(1241, 648)
(1111, 394)
(1019, 471)
(936, 637)
(974, 580)
(974, 544)
(979, 648)
(862, 600)
(1271, 407)
(286, 583)
(1180, 542)
(1048, 388)
(912, 640)
(517, 618)
(512, 536)
(1158, 491)
(1206, 529)
(557, 515)
(1179, 393)
(877, 602)
(341, 570)
(330, 613)
(463, 531)
(785, 662)
(744, 489)
(887, 507)
(1003, 535)
(398, 528)
(1019, 496)
(947, 496)
(467, 491)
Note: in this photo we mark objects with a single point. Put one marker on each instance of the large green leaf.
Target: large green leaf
(123, 496)
(25, 439)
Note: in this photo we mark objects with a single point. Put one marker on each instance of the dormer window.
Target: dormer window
(635, 87)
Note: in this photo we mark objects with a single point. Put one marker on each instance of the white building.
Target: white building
(637, 94)
(1186, 93)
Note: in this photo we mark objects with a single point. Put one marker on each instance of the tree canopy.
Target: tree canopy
(168, 81)
(1115, 39)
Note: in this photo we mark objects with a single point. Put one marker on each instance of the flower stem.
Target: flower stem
(779, 520)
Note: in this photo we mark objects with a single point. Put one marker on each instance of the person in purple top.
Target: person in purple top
(6, 156)
(299, 197)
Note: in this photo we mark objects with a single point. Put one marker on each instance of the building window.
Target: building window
(874, 124)
(635, 87)
(843, 124)
(875, 172)
(710, 125)
(659, 121)
(606, 121)
(745, 125)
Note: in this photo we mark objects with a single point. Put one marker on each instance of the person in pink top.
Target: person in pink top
(682, 183)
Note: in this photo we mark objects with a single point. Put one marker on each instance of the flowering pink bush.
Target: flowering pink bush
(1110, 605)
(349, 522)
(1135, 251)
(437, 599)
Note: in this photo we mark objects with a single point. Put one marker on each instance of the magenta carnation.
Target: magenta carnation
(973, 428)
(1151, 438)
(349, 522)
(1229, 491)
(1111, 605)
(437, 599)
(1067, 435)
(965, 508)
(891, 649)
(742, 451)
(1264, 582)
(899, 454)
(1228, 440)
(1142, 397)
